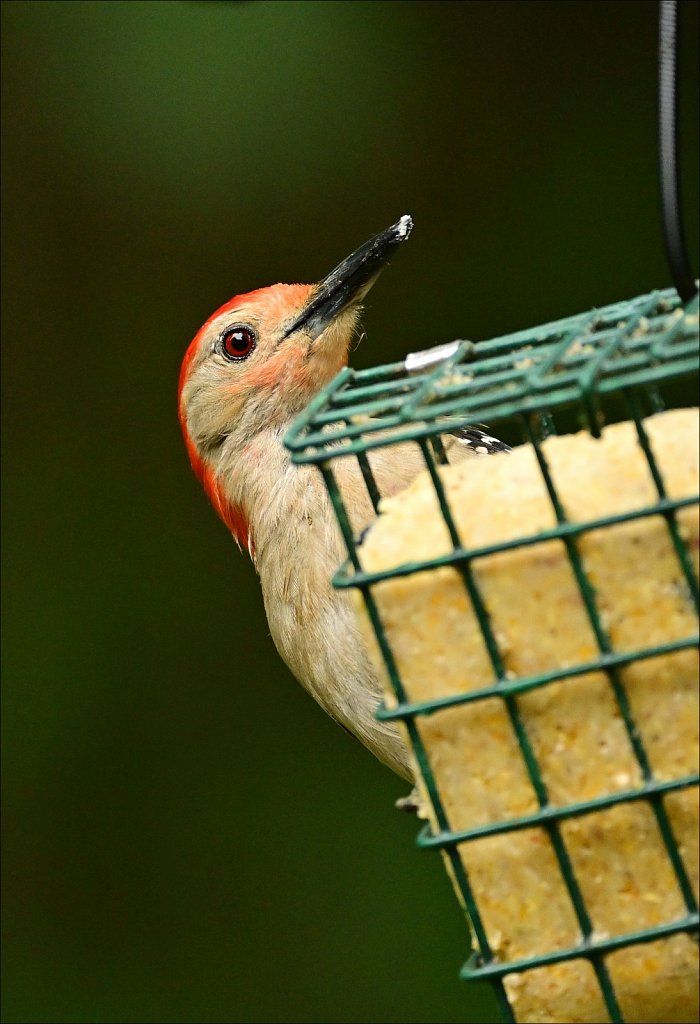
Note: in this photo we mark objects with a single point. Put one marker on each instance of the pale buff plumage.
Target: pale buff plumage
(234, 416)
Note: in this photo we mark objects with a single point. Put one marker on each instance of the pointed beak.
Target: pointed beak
(350, 281)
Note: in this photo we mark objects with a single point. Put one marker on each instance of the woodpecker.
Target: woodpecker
(250, 370)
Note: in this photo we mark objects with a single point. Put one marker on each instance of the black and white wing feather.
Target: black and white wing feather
(478, 441)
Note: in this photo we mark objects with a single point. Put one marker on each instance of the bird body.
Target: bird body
(250, 370)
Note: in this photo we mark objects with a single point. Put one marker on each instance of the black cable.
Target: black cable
(669, 171)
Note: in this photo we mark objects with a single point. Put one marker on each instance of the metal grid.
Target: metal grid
(560, 375)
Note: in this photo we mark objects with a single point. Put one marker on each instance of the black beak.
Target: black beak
(350, 281)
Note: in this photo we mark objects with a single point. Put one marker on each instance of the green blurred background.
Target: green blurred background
(187, 837)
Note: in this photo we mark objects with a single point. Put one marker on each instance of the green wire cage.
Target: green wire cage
(622, 362)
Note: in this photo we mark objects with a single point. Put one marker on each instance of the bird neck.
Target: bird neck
(255, 489)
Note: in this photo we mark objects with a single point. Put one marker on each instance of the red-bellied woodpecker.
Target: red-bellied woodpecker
(251, 369)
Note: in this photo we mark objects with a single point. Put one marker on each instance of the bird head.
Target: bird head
(261, 357)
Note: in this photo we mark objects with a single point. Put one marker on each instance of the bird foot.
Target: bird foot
(410, 804)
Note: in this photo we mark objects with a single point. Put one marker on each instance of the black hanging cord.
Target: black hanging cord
(669, 172)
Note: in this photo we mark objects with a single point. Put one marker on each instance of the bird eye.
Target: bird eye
(237, 343)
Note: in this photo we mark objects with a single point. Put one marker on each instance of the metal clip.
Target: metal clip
(416, 361)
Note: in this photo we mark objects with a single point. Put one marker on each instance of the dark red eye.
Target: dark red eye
(237, 342)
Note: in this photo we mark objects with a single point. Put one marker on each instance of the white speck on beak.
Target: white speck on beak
(404, 226)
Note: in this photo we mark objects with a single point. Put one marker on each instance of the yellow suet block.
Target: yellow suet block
(574, 726)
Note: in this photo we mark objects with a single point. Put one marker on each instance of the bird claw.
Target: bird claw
(410, 804)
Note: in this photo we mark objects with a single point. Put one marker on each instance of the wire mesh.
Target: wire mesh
(572, 372)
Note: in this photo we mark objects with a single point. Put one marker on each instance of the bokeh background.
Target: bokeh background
(187, 837)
